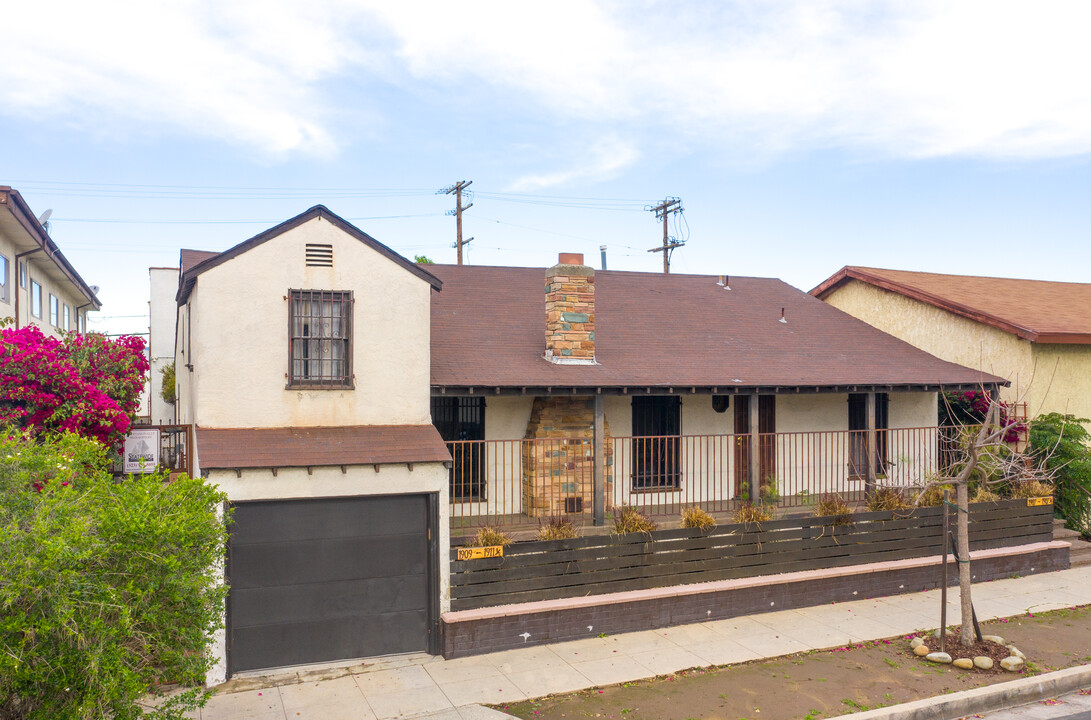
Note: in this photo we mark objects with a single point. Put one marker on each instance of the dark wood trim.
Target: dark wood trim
(641, 390)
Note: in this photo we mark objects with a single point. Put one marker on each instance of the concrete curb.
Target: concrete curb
(984, 699)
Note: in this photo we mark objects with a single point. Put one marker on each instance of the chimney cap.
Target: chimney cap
(570, 259)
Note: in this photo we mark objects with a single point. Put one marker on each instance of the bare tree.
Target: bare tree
(986, 456)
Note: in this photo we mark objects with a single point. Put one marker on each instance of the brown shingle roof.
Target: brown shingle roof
(1035, 310)
(653, 330)
(317, 446)
(189, 258)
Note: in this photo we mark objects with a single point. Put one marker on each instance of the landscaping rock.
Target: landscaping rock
(1012, 663)
(942, 657)
(964, 663)
(994, 638)
(916, 643)
(985, 663)
(921, 650)
(1016, 652)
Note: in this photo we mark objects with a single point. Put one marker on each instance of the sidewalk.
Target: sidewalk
(429, 687)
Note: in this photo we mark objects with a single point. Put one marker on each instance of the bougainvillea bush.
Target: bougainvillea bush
(961, 409)
(87, 384)
(107, 588)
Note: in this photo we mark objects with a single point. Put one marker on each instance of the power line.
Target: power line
(457, 189)
(226, 222)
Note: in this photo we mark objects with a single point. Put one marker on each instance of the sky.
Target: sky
(800, 136)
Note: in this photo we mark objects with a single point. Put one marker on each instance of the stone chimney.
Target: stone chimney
(570, 311)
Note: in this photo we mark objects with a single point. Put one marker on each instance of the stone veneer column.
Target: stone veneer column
(558, 467)
(570, 311)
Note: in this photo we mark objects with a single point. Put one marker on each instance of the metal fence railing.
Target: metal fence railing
(503, 482)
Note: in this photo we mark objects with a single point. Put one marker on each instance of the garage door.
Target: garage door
(329, 579)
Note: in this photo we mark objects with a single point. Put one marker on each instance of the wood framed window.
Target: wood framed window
(461, 423)
(54, 311)
(858, 434)
(657, 425)
(320, 339)
(35, 299)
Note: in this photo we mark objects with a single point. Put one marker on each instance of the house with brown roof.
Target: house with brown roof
(358, 409)
(302, 360)
(1036, 334)
(698, 390)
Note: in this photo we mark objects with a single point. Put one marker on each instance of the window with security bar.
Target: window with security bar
(320, 332)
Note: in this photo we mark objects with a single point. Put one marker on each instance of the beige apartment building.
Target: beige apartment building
(38, 286)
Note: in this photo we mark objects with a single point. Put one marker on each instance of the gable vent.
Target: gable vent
(319, 255)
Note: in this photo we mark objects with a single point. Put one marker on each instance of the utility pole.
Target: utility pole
(662, 212)
(457, 189)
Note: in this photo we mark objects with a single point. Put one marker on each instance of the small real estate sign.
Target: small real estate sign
(141, 453)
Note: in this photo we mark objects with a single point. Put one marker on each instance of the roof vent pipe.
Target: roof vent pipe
(602, 249)
(724, 282)
(782, 318)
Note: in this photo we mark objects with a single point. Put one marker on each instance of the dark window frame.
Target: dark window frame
(462, 418)
(306, 348)
(858, 435)
(656, 446)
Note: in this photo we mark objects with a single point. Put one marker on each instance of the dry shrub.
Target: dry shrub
(557, 527)
(748, 513)
(1031, 489)
(490, 536)
(933, 495)
(984, 494)
(695, 517)
(629, 520)
(833, 505)
(887, 498)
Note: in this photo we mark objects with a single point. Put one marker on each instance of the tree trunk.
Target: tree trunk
(963, 502)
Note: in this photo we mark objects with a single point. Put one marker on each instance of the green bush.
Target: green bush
(1062, 443)
(108, 589)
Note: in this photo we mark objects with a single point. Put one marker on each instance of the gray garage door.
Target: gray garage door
(330, 579)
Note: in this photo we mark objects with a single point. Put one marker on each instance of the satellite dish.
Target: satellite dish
(45, 217)
(95, 289)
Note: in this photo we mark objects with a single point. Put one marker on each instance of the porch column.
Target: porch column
(598, 449)
(755, 451)
(872, 445)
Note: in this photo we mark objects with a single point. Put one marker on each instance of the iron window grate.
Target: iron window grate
(320, 332)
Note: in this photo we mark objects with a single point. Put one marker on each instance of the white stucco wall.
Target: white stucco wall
(241, 351)
(295, 483)
(162, 312)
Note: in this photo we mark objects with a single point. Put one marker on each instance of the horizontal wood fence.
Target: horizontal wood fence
(546, 570)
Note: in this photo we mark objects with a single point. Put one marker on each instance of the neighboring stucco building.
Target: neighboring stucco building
(162, 317)
(302, 357)
(38, 286)
(1034, 333)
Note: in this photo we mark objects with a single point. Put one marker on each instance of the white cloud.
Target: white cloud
(603, 160)
(984, 78)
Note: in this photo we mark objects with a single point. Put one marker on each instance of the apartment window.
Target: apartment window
(657, 424)
(79, 323)
(320, 328)
(67, 318)
(5, 296)
(54, 311)
(35, 299)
